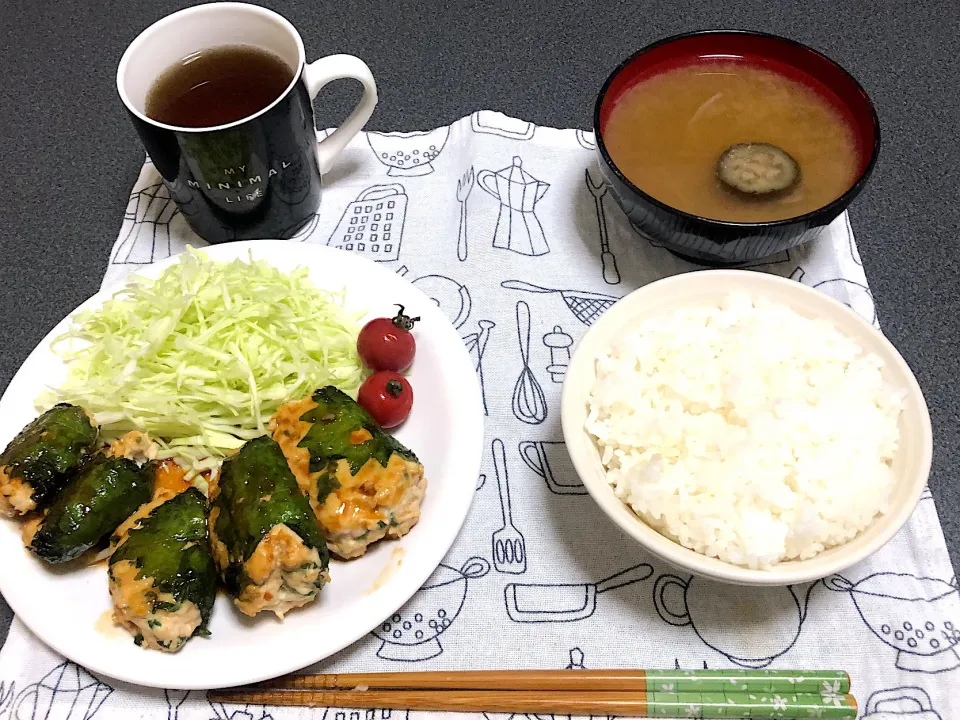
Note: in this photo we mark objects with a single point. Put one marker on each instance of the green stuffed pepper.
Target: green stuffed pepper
(41, 459)
(106, 492)
(363, 484)
(163, 581)
(264, 536)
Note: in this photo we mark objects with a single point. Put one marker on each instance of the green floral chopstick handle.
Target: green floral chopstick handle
(831, 682)
(750, 705)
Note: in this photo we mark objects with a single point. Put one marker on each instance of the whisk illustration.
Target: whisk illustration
(529, 403)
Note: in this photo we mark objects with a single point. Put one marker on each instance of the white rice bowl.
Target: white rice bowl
(745, 431)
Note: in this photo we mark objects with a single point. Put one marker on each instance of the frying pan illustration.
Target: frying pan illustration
(565, 602)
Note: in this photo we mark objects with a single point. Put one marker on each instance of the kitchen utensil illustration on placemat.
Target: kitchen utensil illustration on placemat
(852, 294)
(725, 617)
(67, 692)
(586, 306)
(902, 703)
(490, 122)
(586, 139)
(174, 699)
(222, 711)
(408, 154)
(558, 343)
(565, 602)
(550, 460)
(529, 403)
(342, 714)
(908, 613)
(411, 634)
(509, 547)
(448, 295)
(372, 225)
(7, 696)
(476, 345)
(147, 240)
(464, 187)
(608, 261)
(576, 660)
(518, 228)
(851, 243)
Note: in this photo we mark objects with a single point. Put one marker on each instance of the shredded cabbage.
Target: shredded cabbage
(201, 357)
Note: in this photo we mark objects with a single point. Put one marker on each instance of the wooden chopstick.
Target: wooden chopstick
(624, 704)
(576, 680)
(452, 700)
(469, 680)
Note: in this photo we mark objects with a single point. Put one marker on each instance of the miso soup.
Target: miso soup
(668, 132)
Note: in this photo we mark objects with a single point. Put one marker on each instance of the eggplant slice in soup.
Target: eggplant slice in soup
(105, 493)
(265, 540)
(40, 461)
(757, 170)
(362, 483)
(163, 581)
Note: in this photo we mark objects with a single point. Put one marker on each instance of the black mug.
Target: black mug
(260, 176)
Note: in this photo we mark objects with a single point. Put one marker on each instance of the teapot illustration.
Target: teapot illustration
(711, 608)
(904, 703)
(518, 228)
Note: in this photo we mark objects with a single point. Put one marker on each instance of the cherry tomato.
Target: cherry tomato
(387, 344)
(387, 396)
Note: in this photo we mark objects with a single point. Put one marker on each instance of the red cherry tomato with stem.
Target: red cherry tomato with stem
(387, 344)
(387, 396)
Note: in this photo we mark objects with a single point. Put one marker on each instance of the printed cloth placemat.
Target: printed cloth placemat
(507, 226)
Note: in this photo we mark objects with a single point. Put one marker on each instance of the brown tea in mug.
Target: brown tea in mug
(217, 86)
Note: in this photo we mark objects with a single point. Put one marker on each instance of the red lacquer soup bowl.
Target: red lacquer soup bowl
(719, 242)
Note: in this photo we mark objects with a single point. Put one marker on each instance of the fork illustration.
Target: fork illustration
(464, 187)
(611, 275)
(509, 547)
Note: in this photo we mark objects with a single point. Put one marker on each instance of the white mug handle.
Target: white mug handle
(336, 67)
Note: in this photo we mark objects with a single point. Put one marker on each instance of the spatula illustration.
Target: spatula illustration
(509, 548)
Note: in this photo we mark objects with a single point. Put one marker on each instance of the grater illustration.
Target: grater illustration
(372, 225)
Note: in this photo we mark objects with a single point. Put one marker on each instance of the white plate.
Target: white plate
(69, 611)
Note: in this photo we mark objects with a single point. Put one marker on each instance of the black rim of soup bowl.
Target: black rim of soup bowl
(815, 218)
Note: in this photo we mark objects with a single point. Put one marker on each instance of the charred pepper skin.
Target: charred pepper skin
(105, 493)
(335, 418)
(50, 449)
(171, 545)
(256, 492)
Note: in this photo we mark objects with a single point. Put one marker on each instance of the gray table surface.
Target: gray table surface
(70, 157)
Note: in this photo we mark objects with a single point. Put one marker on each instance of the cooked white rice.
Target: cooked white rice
(745, 431)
